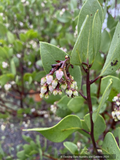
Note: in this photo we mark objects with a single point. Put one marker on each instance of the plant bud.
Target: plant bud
(115, 98)
(75, 93)
(43, 80)
(51, 88)
(46, 95)
(69, 92)
(54, 83)
(43, 89)
(41, 95)
(59, 92)
(49, 79)
(55, 92)
(72, 86)
(59, 74)
(63, 86)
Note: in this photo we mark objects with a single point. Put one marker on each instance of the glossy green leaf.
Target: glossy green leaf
(75, 104)
(49, 55)
(10, 37)
(71, 147)
(96, 32)
(99, 125)
(110, 146)
(13, 67)
(60, 131)
(112, 62)
(105, 41)
(115, 83)
(103, 99)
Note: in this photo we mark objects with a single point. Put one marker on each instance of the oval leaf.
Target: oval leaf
(50, 54)
(112, 62)
(114, 90)
(75, 104)
(103, 99)
(71, 147)
(60, 131)
(110, 146)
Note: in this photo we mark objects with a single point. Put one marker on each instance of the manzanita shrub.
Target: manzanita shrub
(88, 84)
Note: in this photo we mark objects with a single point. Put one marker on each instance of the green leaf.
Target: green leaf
(10, 37)
(111, 23)
(75, 104)
(114, 90)
(27, 148)
(3, 53)
(71, 147)
(89, 8)
(112, 62)
(110, 146)
(62, 103)
(6, 78)
(103, 99)
(3, 29)
(89, 29)
(13, 67)
(65, 17)
(60, 131)
(26, 138)
(79, 52)
(49, 55)
(99, 125)
(21, 155)
(39, 75)
(116, 133)
(105, 41)
(96, 32)
(18, 45)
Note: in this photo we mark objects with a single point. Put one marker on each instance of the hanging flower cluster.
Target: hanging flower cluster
(116, 112)
(63, 81)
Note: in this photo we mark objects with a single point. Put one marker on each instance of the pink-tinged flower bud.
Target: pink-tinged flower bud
(51, 88)
(43, 80)
(59, 74)
(46, 95)
(49, 79)
(69, 92)
(75, 93)
(43, 89)
(63, 86)
(54, 83)
(41, 95)
(55, 92)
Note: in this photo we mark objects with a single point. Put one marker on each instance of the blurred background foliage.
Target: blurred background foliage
(23, 24)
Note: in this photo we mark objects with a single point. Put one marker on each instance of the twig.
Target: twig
(83, 95)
